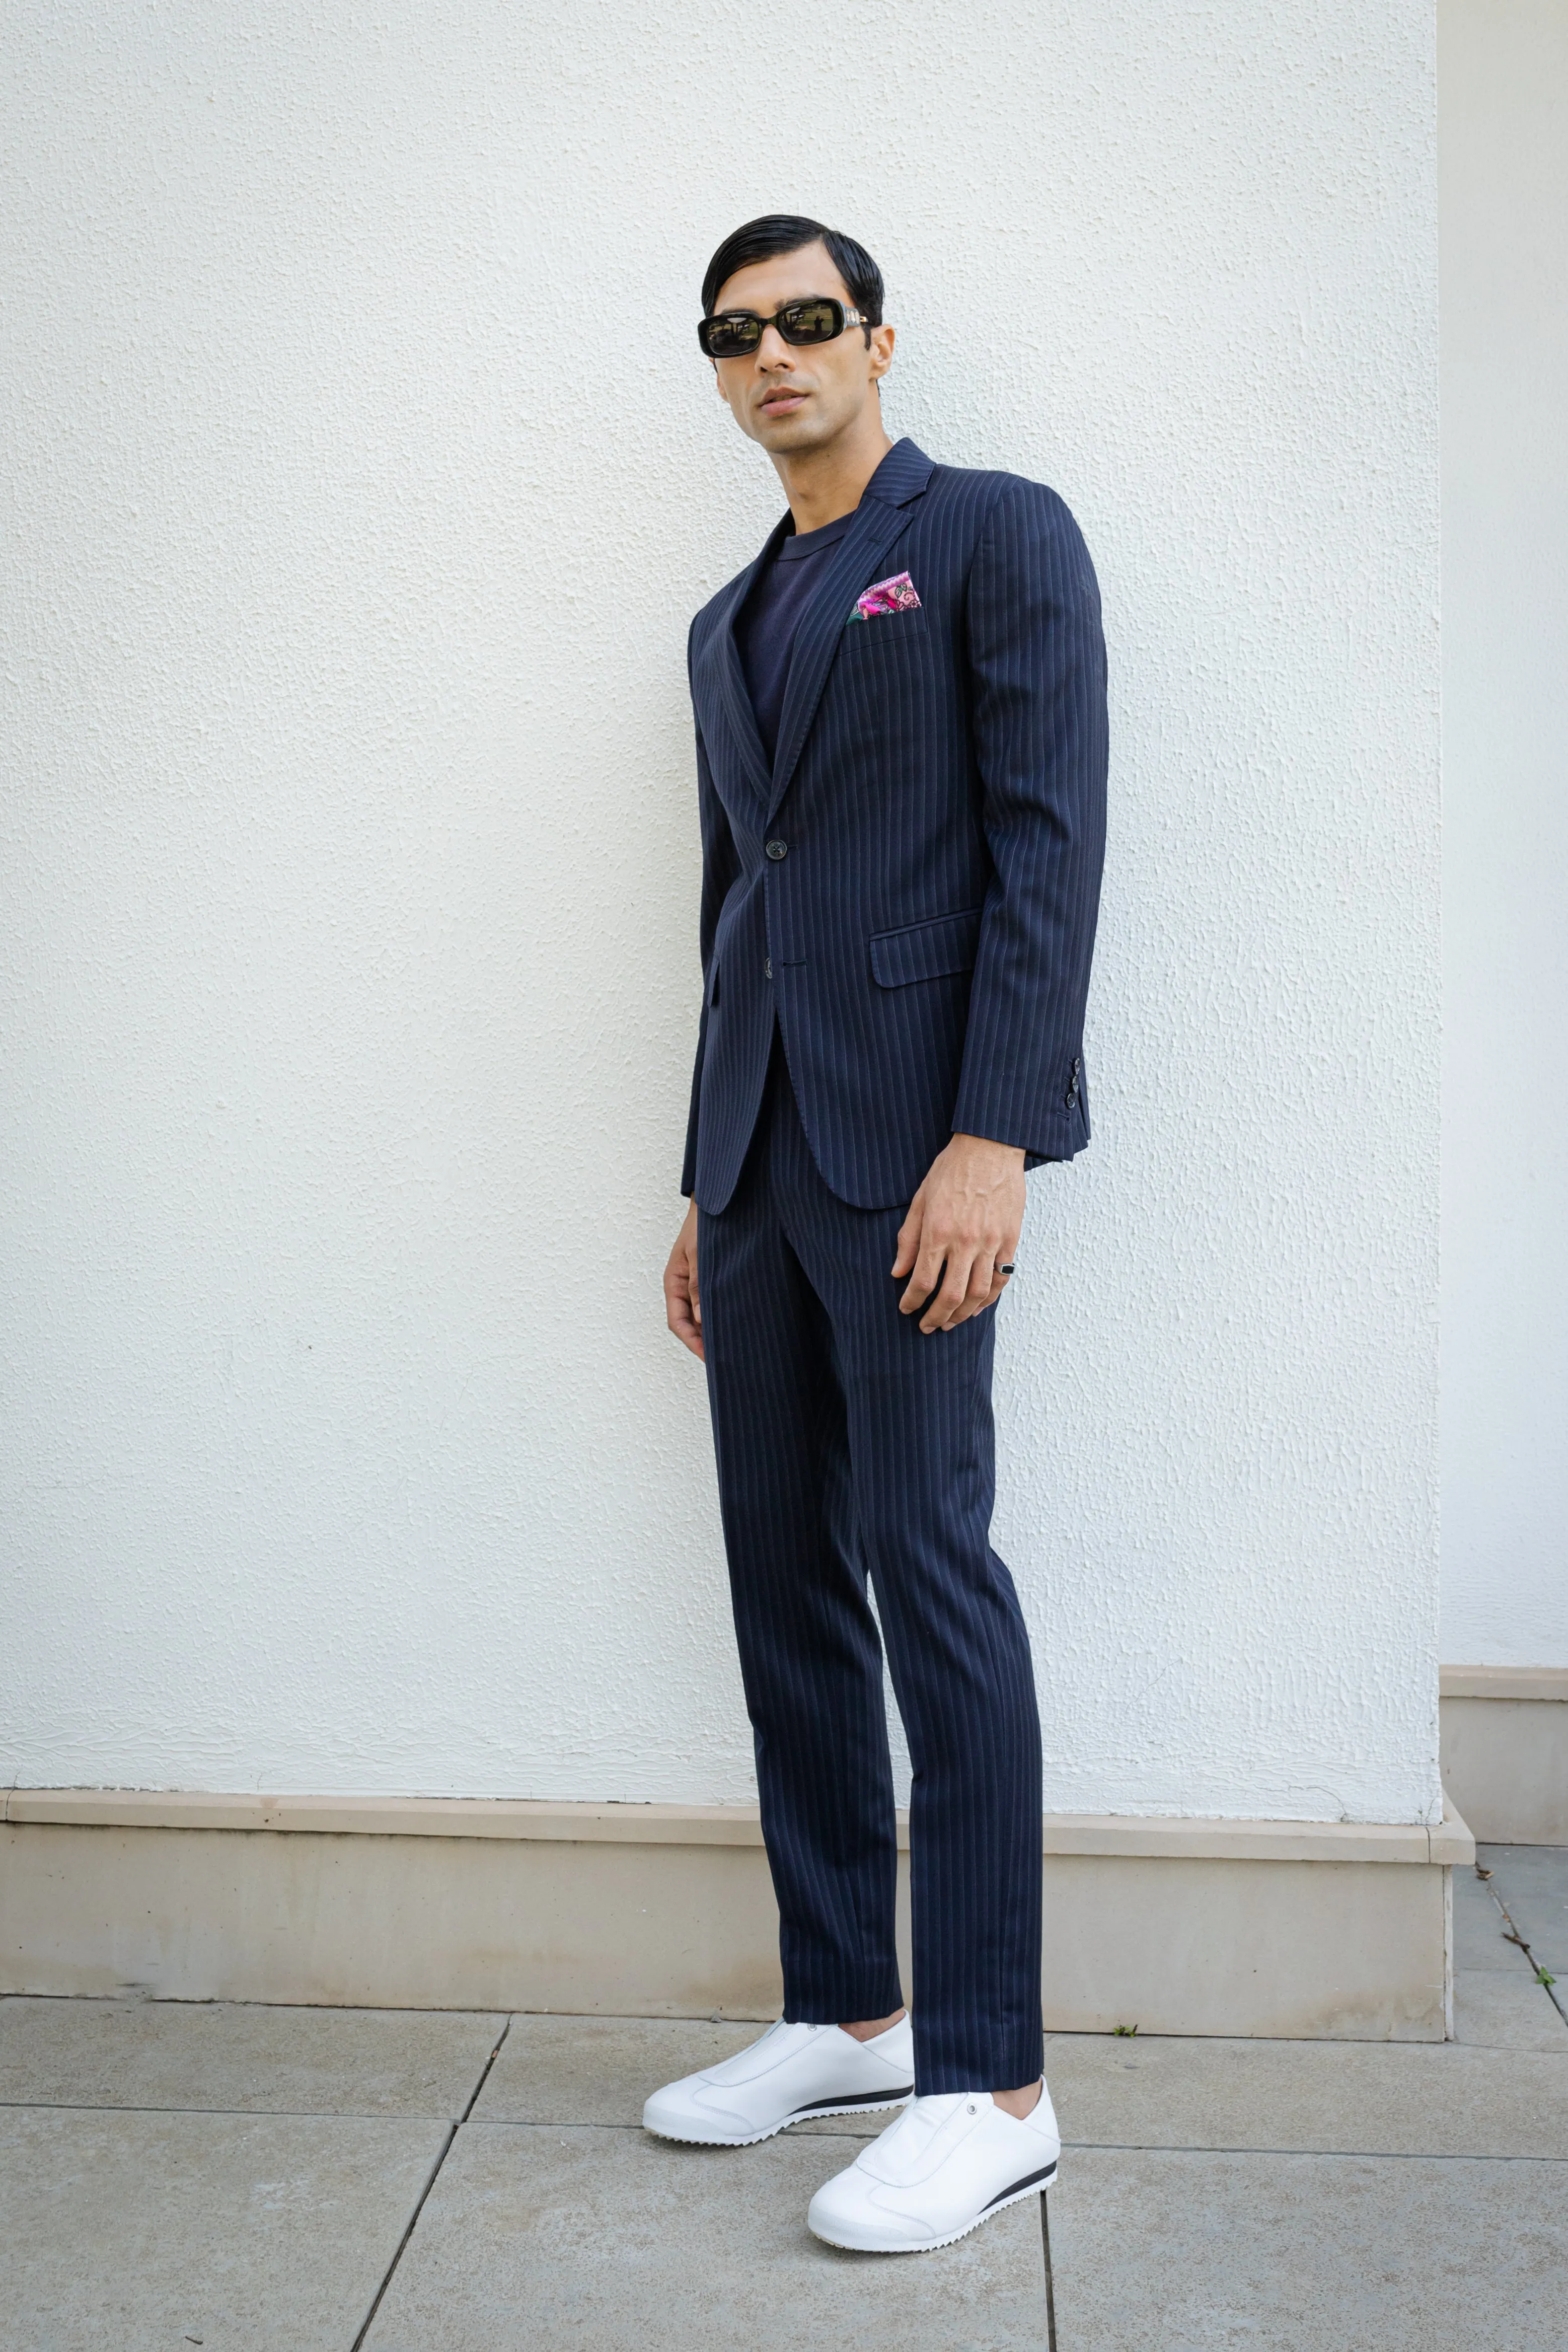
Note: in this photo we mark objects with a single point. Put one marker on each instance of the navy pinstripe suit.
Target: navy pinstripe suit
(897, 921)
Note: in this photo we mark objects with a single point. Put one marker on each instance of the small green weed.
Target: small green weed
(1124, 2029)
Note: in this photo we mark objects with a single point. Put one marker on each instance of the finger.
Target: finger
(689, 1336)
(943, 1308)
(683, 1325)
(978, 1293)
(927, 1275)
(908, 1239)
(982, 1274)
(679, 1303)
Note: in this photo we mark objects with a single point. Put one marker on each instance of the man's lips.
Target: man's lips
(777, 403)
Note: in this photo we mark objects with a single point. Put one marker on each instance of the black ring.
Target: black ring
(1006, 1269)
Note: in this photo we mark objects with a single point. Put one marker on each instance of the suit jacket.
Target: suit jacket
(913, 888)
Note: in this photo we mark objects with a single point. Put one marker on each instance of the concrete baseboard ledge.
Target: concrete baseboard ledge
(422, 1817)
(1146, 1836)
(1550, 1683)
(1328, 1930)
(1505, 1750)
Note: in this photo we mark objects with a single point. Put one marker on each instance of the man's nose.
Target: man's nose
(773, 350)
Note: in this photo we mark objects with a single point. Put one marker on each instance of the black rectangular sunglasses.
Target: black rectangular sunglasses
(819, 320)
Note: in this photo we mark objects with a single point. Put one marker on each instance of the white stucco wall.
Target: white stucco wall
(367, 473)
(1504, 245)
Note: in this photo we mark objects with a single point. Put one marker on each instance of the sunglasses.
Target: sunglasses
(733, 334)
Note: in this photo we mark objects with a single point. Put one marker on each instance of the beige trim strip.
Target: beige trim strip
(582, 1824)
(472, 1817)
(1504, 1682)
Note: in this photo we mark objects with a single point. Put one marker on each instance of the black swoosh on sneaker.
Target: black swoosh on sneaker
(858, 2098)
(1046, 2174)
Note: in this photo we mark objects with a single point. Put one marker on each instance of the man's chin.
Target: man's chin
(800, 430)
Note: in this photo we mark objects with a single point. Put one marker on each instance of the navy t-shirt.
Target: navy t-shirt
(770, 617)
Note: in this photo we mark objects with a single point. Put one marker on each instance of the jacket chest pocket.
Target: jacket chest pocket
(883, 635)
(888, 681)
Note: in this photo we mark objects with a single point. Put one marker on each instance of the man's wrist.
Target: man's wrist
(1013, 1153)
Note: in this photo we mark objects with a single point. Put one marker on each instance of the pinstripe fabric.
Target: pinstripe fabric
(848, 1443)
(924, 939)
(897, 919)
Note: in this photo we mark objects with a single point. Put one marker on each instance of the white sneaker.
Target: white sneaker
(793, 2072)
(947, 2164)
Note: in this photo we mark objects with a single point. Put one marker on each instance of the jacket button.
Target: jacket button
(1077, 1065)
(777, 849)
(767, 967)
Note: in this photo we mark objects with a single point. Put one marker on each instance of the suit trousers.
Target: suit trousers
(850, 1443)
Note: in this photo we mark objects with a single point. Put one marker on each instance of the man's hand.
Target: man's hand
(968, 1216)
(683, 1307)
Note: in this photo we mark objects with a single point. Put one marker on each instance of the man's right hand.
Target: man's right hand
(683, 1307)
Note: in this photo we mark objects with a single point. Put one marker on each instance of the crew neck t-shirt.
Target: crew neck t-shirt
(771, 614)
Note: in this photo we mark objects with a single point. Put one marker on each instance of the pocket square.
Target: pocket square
(894, 595)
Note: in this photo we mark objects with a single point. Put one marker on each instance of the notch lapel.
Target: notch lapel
(729, 678)
(880, 517)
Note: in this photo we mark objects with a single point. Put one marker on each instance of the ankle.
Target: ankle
(870, 2027)
(1021, 2102)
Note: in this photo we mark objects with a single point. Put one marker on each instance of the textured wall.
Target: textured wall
(367, 473)
(1504, 209)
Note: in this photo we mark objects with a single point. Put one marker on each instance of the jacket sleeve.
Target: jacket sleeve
(720, 866)
(1036, 665)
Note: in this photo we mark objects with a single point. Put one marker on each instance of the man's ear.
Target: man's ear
(882, 343)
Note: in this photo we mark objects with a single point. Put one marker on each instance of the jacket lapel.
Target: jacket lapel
(728, 679)
(880, 518)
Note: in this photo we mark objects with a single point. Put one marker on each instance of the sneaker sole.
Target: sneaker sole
(801, 2116)
(1036, 2186)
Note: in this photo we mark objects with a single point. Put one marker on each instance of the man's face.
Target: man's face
(793, 396)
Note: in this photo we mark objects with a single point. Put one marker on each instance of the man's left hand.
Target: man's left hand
(966, 1218)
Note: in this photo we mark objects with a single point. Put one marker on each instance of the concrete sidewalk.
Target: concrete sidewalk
(315, 2180)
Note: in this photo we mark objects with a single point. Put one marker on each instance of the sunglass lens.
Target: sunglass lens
(811, 322)
(725, 338)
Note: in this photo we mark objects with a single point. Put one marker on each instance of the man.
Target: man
(900, 766)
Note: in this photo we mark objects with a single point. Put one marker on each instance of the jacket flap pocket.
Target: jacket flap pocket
(927, 951)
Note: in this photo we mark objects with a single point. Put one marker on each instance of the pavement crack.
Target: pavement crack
(1049, 2282)
(1511, 1936)
(431, 2178)
(484, 2072)
(434, 2174)
(299, 2114)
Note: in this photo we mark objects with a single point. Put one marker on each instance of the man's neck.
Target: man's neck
(823, 484)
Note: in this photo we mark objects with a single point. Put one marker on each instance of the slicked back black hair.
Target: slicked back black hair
(759, 240)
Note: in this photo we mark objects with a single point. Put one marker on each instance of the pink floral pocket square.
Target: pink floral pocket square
(894, 595)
